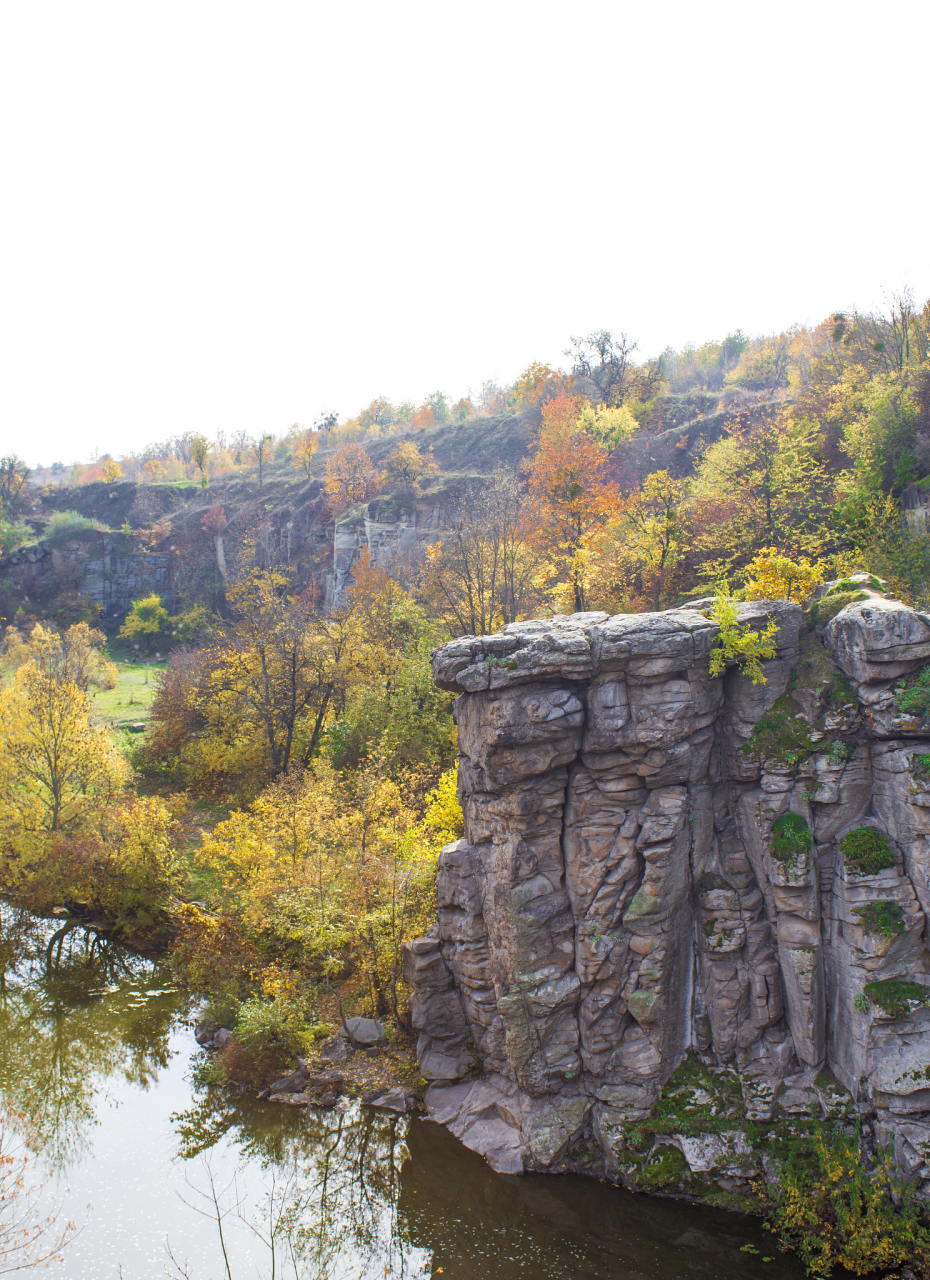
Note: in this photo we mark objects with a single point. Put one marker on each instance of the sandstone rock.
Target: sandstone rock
(620, 899)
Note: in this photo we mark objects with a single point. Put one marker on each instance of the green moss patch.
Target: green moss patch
(780, 735)
(791, 838)
(897, 997)
(882, 919)
(666, 1167)
(829, 605)
(866, 852)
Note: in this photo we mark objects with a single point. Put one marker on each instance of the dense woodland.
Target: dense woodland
(278, 825)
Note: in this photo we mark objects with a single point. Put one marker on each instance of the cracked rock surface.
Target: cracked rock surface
(621, 916)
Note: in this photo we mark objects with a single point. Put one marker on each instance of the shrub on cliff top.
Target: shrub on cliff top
(65, 524)
(791, 837)
(866, 852)
(742, 646)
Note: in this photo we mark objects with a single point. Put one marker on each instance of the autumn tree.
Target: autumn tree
(380, 413)
(146, 622)
(559, 416)
(406, 466)
(77, 654)
(771, 576)
(280, 667)
(306, 444)
(262, 451)
(14, 478)
(537, 383)
(762, 485)
(55, 763)
(200, 451)
(112, 471)
(482, 574)
(350, 478)
(639, 559)
(570, 495)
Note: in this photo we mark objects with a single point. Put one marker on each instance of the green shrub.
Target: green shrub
(839, 752)
(882, 919)
(912, 696)
(781, 735)
(12, 536)
(271, 1031)
(866, 852)
(921, 764)
(897, 997)
(791, 837)
(65, 524)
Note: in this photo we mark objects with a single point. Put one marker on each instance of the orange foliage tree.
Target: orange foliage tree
(559, 417)
(350, 477)
(571, 496)
(537, 382)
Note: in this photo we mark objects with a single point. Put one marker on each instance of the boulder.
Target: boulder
(364, 1031)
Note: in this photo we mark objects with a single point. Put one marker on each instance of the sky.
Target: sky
(228, 215)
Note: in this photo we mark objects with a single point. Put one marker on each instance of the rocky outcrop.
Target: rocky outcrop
(105, 568)
(655, 923)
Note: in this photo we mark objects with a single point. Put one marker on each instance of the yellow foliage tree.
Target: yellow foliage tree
(335, 865)
(772, 576)
(55, 763)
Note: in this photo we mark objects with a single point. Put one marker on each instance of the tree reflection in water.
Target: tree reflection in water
(76, 1009)
(296, 1192)
(325, 1205)
(366, 1195)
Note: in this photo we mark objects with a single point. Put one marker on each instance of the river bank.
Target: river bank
(97, 1051)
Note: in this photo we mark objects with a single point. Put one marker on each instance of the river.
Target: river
(163, 1175)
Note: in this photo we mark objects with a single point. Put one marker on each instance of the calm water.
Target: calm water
(166, 1177)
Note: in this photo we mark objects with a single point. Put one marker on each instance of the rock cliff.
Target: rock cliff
(682, 904)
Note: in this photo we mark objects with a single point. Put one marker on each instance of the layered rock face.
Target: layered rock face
(626, 904)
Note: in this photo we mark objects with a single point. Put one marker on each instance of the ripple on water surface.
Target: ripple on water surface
(97, 1053)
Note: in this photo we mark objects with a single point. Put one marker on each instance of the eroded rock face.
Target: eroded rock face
(621, 907)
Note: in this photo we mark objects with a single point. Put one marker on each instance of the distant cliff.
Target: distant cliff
(686, 911)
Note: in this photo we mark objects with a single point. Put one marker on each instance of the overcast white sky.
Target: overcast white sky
(241, 215)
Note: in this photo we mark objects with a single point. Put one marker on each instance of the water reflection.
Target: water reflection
(195, 1183)
(76, 1010)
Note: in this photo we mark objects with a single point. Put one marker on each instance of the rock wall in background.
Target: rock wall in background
(630, 964)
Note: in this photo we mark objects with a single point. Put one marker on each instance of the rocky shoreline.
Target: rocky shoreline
(332, 1076)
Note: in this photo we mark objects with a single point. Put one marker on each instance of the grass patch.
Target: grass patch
(897, 997)
(130, 699)
(881, 919)
(866, 852)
